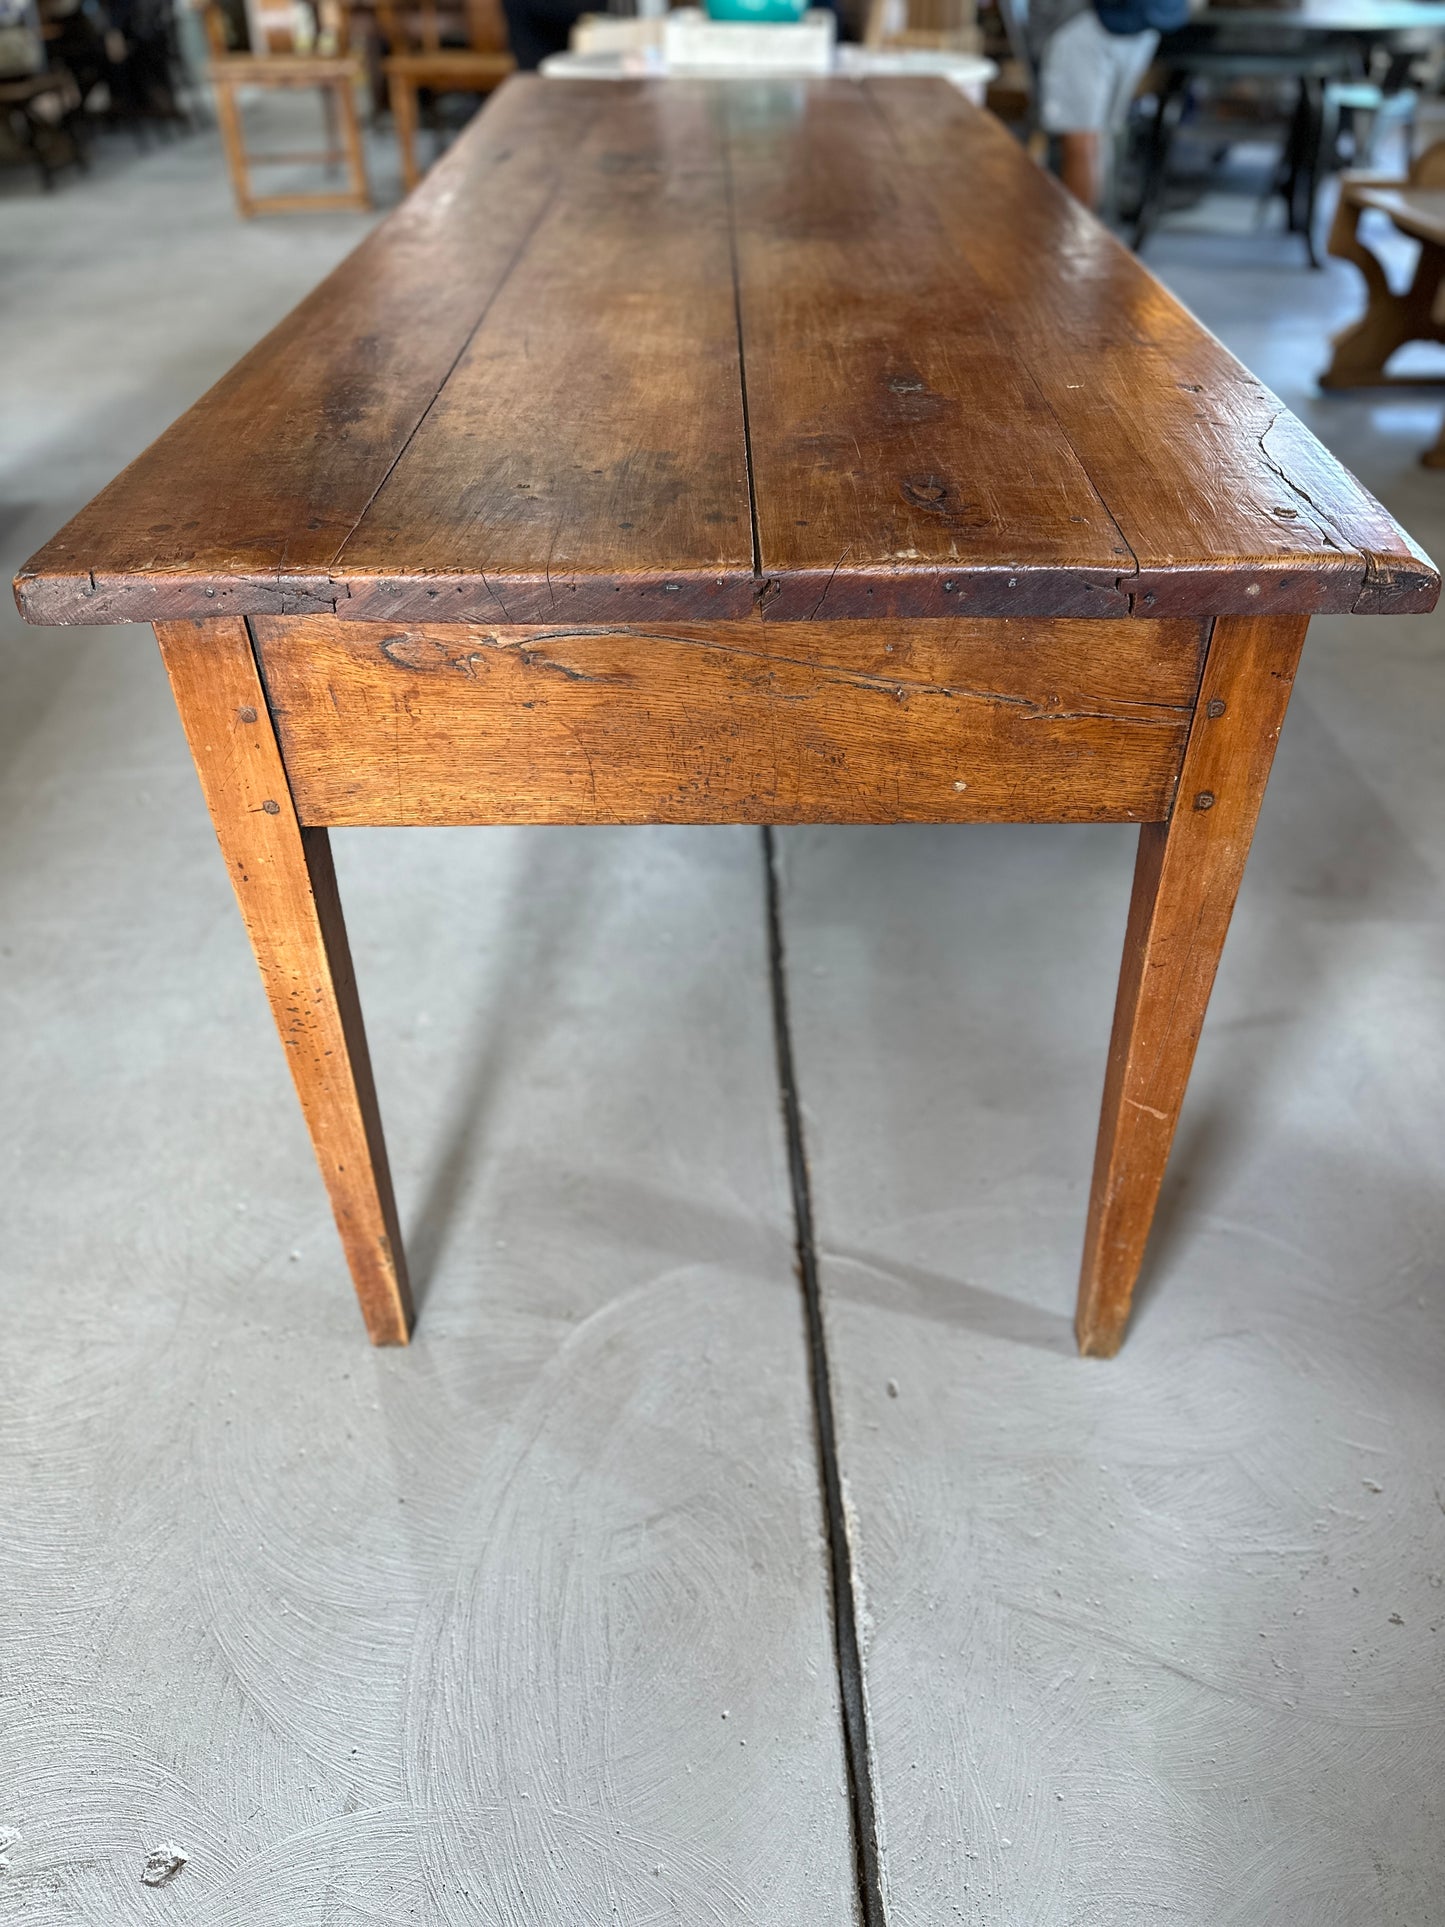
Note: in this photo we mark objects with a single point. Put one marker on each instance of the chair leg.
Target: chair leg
(351, 141)
(286, 887)
(1321, 151)
(27, 128)
(404, 115)
(233, 140)
(1185, 882)
(328, 122)
(1167, 117)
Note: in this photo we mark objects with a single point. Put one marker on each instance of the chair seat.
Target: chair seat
(283, 70)
(458, 65)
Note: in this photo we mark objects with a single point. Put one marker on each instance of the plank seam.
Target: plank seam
(542, 212)
(852, 1692)
(1024, 362)
(742, 351)
(259, 663)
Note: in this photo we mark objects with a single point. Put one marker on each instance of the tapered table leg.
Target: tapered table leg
(1185, 883)
(286, 887)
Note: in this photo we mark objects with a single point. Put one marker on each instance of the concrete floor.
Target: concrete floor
(531, 1624)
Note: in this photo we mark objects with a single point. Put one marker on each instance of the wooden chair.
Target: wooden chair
(1416, 205)
(417, 58)
(936, 25)
(334, 73)
(42, 112)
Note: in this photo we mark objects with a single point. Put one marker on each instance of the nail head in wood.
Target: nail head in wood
(1204, 800)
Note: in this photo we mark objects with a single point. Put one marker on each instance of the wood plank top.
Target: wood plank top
(725, 350)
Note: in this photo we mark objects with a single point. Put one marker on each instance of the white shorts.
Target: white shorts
(1088, 76)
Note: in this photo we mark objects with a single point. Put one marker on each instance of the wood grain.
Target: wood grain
(734, 722)
(905, 461)
(286, 887)
(243, 503)
(529, 397)
(591, 437)
(1227, 502)
(1185, 884)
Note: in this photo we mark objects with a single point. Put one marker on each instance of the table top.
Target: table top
(1331, 16)
(713, 350)
(969, 72)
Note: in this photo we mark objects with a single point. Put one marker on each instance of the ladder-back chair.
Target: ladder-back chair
(425, 50)
(278, 63)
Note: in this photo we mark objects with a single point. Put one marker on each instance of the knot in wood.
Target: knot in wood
(925, 494)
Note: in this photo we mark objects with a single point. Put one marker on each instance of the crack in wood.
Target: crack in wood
(1153, 714)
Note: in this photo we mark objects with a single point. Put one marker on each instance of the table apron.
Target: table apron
(1004, 720)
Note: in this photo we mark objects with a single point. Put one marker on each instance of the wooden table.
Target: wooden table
(1318, 45)
(699, 452)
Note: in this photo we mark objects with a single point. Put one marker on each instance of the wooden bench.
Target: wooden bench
(734, 452)
(1416, 206)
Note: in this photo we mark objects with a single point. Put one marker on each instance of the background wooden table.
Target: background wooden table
(692, 452)
(1318, 46)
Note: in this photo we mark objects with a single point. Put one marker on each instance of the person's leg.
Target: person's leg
(1075, 86)
(1087, 79)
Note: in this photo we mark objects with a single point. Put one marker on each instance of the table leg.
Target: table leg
(1300, 162)
(286, 888)
(404, 115)
(1185, 882)
(1322, 162)
(1173, 98)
